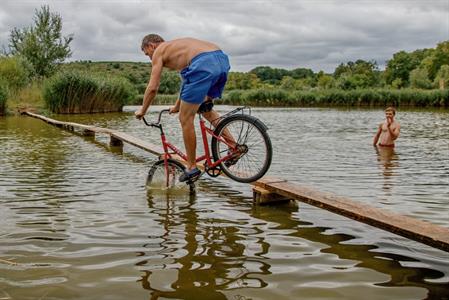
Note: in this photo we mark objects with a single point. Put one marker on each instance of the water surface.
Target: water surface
(78, 223)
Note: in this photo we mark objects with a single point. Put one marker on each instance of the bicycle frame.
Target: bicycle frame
(205, 131)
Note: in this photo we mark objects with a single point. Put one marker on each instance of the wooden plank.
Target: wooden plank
(417, 230)
(157, 150)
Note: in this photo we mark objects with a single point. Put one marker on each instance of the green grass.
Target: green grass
(27, 98)
(82, 92)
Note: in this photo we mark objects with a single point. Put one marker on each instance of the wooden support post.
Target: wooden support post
(86, 132)
(262, 196)
(115, 142)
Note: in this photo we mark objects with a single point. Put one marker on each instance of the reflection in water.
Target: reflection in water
(390, 264)
(389, 162)
(214, 256)
(74, 213)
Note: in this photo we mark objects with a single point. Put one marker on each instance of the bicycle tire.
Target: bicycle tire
(157, 176)
(256, 161)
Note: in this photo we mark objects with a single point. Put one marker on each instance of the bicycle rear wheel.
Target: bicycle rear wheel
(254, 151)
(162, 177)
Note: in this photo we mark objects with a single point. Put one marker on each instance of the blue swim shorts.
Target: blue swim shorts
(206, 75)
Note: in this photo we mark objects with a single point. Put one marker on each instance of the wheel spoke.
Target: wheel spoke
(255, 144)
(159, 179)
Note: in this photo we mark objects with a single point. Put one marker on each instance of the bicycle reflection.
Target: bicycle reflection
(195, 257)
(198, 258)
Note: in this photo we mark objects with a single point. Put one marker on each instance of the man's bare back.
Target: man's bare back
(204, 77)
(177, 54)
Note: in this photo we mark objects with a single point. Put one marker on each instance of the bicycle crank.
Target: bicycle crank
(213, 172)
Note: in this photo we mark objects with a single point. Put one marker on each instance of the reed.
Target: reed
(352, 98)
(80, 92)
(3, 97)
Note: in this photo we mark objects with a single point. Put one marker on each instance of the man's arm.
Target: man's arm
(376, 137)
(152, 87)
(175, 108)
(394, 132)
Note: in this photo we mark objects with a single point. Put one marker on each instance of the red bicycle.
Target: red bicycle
(240, 147)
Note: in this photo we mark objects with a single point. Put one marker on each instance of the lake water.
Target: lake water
(76, 221)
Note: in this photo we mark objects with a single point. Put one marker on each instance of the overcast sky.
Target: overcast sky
(316, 34)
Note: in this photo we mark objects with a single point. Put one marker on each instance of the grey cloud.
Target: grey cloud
(283, 33)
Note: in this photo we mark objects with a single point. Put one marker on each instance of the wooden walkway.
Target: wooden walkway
(117, 137)
(269, 190)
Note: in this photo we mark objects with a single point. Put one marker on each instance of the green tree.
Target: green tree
(437, 58)
(42, 44)
(269, 75)
(402, 63)
(358, 74)
(325, 81)
(301, 73)
(242, 81)
(170, 83)
(419, 78)
(442, 77)
(290, 83)
(397, 83)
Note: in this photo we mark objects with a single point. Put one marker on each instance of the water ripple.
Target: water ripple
(77, 222)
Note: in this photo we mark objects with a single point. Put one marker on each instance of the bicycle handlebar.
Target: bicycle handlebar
(158, 119)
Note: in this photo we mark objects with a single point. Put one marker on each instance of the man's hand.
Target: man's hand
(139, 114)
(389, 121)
(173, 110)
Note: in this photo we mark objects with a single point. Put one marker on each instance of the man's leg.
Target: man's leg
(212, 116)
(187, 112)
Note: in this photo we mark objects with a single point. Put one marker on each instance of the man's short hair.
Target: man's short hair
(151, 38)
(392, 109)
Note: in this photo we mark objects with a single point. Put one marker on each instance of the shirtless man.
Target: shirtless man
(388, 131)
(203, 68)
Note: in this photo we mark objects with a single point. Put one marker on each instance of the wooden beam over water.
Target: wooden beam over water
(270, 190)
(117, 137)
(414, 229)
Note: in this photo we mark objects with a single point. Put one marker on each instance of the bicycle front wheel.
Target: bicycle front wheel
(166, 176)
(249, 135)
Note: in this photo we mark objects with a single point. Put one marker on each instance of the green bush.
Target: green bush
(3, 96)
(15, 71)
(337, 97)
(77, 92)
